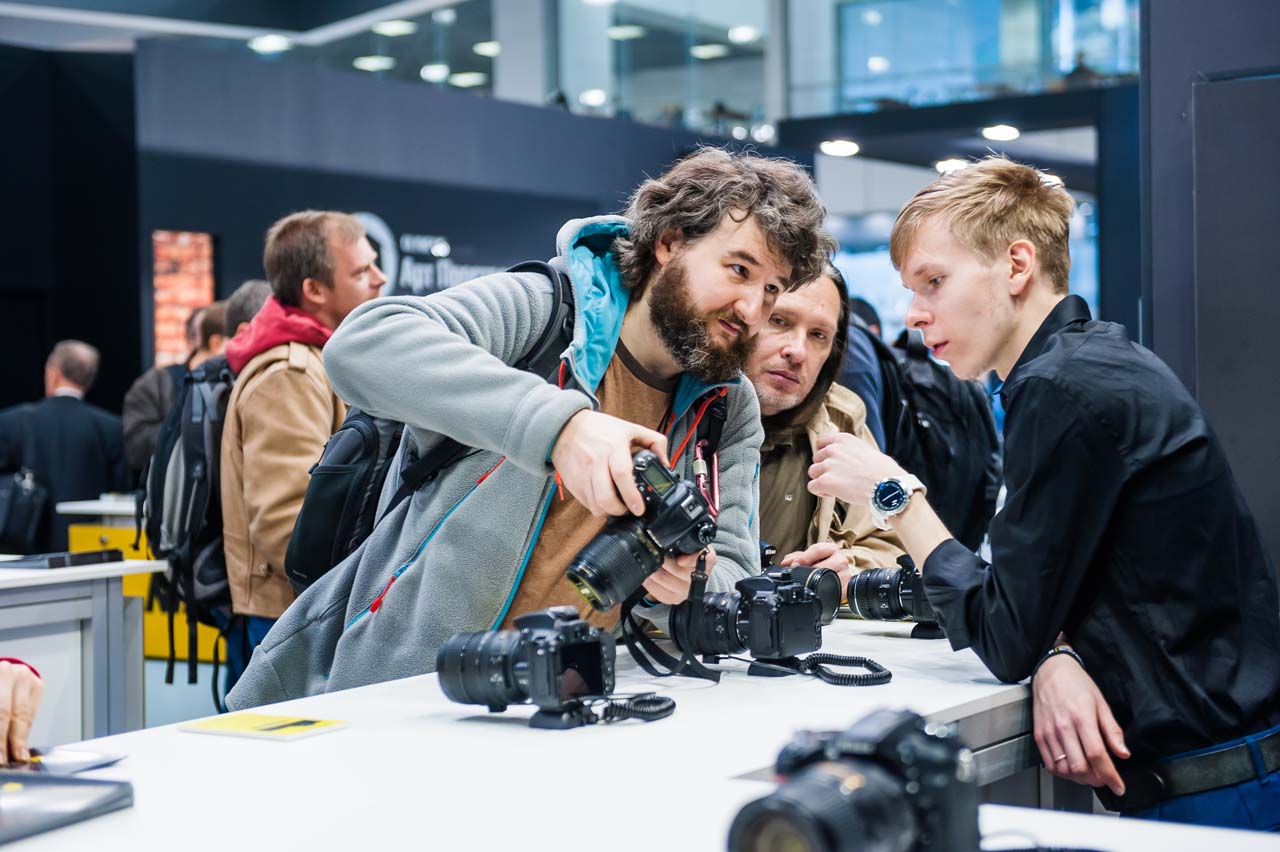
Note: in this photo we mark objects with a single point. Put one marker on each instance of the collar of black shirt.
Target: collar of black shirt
(1070, 310)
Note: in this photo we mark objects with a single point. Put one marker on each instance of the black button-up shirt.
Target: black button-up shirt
(1124, 528)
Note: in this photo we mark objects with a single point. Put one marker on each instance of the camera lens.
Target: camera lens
(878, 594)
(717, 633)
(836, 806)
(614, 563)
(825, 585)
(481, 668)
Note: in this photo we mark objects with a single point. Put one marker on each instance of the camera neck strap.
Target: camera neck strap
(647, 653)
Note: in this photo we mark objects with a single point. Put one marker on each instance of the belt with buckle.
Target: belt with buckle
(1167, 779)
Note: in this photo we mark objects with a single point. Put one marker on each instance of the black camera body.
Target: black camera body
(894, 594)
(677, 521)
(551, 659)
(772, 617)
(823, 582)
(891, 782)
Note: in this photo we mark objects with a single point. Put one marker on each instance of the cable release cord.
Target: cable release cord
(645, 706)
(819, 664)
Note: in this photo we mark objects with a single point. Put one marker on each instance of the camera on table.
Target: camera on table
(823, 582)
(772, 616)
(676, 521)
(894, 594)
(552, 659)
(892, 782)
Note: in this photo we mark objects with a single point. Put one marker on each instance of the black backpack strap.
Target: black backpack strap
(711, 426)
(543, 358)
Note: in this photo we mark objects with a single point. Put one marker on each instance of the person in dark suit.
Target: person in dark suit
(74, 449)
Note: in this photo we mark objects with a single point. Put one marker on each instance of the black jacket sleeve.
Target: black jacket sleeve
(1064, 472)
(146, 405)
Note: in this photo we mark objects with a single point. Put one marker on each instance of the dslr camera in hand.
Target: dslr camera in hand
(552, 659)
(894, 594)
(893, 782)
(772, 616)
(677, 521)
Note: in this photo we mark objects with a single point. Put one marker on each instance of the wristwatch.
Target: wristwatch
(891, 497)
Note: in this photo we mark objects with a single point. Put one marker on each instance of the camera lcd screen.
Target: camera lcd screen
(655, 478)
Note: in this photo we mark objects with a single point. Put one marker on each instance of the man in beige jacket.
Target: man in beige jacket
(793, 369)
(282, 409)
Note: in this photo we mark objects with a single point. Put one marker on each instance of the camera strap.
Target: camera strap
(819, 666)
(647, 653)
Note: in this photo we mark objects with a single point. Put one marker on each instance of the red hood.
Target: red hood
(273, 325)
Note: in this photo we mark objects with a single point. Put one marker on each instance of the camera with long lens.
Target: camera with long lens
(676, 521)
(771, 617)
(894, 594)
(892, 782)
(823, 582)
(551, 659)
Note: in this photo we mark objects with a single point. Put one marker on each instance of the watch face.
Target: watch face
(890, 496)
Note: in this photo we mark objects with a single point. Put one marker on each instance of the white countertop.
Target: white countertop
(19, 578)
(122, 506)
(413, 770)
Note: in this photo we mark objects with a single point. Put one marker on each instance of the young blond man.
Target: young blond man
(1123, 533)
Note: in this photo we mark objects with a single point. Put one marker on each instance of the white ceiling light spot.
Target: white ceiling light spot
(1001, 132)
(877, 64)
(709, 51)
(764, 133)
(374, 63)
(839, 147)
(743, 34)
(486, 48)
(468, 79)
(949, 165)
(441, 248)
(270, 43)
(872, 18)
(444, 17)
(599, 2)
(436, 72)
(739, 132)
(395, 29)
(594, 98)
(626, 32)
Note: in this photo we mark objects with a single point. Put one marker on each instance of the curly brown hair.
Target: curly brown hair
(695, 195)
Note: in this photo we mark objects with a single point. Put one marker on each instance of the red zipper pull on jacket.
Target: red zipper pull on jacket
(377, 602)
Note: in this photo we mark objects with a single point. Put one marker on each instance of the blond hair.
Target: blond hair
(990, 205)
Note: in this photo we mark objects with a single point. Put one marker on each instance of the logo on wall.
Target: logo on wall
(416, 263)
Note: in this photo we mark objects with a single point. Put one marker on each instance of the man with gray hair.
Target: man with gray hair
(71, 447)
(243, 305)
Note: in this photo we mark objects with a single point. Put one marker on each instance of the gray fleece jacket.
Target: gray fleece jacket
(450, 558)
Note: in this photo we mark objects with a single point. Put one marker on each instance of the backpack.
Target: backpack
(940, 428)
(340, 508)
(182, 507)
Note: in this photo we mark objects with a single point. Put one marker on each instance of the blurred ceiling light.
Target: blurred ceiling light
(743, 34)
(486, 48)
(877, 64)
(763, 133)
(739, 132)
(839, 147)
(1112, 14)
(594, 98)
(374, 63)
(599, 2)
(709, 51)
(444, 17)
(441, 248)
(468, 79)
(270, 43)
(872, 18)
(395, 29)
(626, 32)
(436, 72)
(949, 165)
(1001, 133)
